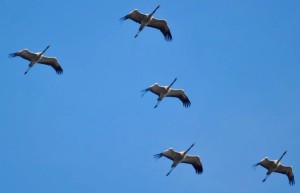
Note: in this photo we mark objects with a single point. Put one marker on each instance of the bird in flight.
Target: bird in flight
(150, 21)
(167, 91)
(276, 166)
(39, 58)
(181, 157)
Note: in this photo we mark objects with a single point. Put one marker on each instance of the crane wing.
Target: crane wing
(156, 89)
(287, 171)
(266, 163)
(195, 161)
(181, 95)
(135, 15)
(51, 62)
(162, 26)
(26, 54)
(171, 154)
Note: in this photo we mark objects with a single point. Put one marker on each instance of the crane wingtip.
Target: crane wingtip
(187, 104)
(123, 18)
(59, 72)
(12, 55)
(255, 165)
(144, 91)
(168, 36)
(157, 156)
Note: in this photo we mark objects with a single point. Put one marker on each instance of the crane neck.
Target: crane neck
(172, 83)
(154, 11)
(281, 157)
(45, 50)
(188, 149)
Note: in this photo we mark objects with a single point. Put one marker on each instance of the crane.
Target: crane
(150, 21)
(38, 58)
(276, 166)
(167, 91)
(181, 157)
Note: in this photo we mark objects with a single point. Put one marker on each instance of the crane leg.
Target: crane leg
(170, 171)
(158, 101)
(27, 69)
(265, 178)
(137, 33)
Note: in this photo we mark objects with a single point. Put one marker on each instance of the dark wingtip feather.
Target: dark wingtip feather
(157, 156)
(123, 18)
(59, 70)
(144, 91)
(198, 169)
(292, 181)
(255, 165)
(11, 55)
(187, 103)
(168, 36)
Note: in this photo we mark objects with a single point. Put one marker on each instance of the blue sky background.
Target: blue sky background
(90, 131)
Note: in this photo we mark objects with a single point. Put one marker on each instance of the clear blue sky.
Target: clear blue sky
(89, 131)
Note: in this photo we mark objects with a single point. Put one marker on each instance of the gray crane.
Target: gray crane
(181, 157)
(39, 58)
(167, 91)
(150, 21)
(276, 166)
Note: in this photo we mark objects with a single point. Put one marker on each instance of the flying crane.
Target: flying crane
(39, 58)
(181, 157)
(150, 21)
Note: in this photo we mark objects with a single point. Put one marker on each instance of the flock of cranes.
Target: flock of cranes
(162, 92)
